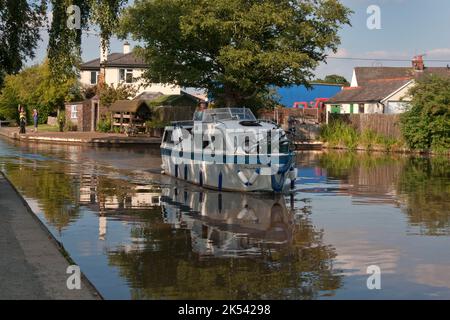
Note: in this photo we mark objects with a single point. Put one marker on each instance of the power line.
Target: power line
(383, 59)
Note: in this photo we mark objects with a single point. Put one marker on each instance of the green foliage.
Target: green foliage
(425, 189)
(235, 49)
(70, 126)
(104, 125)
(105, 14)
(368, 139)
(34, 88)
(426, 125)
(20, 23)
(338, 133)
(64, 49)
(156, 124)
(56, 193)
(61, 119)
(334, 79)
(110, 94)
(19, 33)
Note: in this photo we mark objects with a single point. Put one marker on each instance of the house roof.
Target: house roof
(366, 74)
(183, 99)
(129, 60)
(374, 91)
(148, 95)
(127, 105)
(377, 83)
(153, 100)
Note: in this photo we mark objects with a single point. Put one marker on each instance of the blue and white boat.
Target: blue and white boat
(229, 149)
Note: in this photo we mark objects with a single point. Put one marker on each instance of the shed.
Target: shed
(180, 107)
(85, 115)
(79, 115)
(127, 112)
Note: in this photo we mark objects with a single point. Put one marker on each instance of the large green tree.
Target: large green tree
(20, 21)
(34, 88)
(426, 125)
(334, 79)
(64, 49)
(236, 49)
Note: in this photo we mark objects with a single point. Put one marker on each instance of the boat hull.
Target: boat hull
(231, 176)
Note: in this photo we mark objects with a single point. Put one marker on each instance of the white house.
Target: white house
(381, 89)
(124, 67)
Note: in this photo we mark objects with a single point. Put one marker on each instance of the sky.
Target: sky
(408, 28)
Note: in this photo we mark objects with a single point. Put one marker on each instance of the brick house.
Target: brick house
(85, 115)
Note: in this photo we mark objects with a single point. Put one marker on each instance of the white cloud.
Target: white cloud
(439, 53)
(341, 53)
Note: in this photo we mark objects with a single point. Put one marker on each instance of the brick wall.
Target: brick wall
(83, 115)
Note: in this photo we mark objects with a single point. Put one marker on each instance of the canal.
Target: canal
(139, 235)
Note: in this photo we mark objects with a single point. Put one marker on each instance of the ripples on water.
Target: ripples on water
(141, 235)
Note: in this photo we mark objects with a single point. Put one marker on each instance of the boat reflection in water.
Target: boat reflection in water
(228, 224)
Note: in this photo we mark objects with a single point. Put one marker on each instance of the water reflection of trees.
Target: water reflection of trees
(424, 186)
(341, 165)
(419, 185)
(173, 262)
(54, 191)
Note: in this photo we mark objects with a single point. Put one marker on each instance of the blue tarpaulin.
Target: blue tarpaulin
(290, 95)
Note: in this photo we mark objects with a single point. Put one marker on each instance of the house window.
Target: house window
(126, 75)
(74, 112)
(94, 77)
(361, 108)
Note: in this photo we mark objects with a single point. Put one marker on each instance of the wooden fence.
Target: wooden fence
(281, 115)
(384, 124)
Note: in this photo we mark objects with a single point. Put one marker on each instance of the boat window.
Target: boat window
(168, 137)
(221, 114)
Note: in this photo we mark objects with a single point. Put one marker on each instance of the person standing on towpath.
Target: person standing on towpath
(35, 119)
(22, 119)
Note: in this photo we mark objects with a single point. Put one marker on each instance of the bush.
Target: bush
(70, 126)
(34, 88)
(338, 133)
(369, 139)
(104, 125)
(426, 125)
(156, 124)
(61, 120)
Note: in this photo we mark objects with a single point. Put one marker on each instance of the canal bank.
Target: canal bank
(88, 138)
(33, 264)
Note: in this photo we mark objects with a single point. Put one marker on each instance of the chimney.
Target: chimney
(418, 63)
(126, 48)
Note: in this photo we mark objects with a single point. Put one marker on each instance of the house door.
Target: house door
(95, 116)
(361, 108)
(335, 109)
(351, 108)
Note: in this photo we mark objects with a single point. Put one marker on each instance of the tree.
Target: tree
(110, 94)
(64, 49)
(34, 88)
(426, 125)
(235, 49)
(335, 79)
(20, 21)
